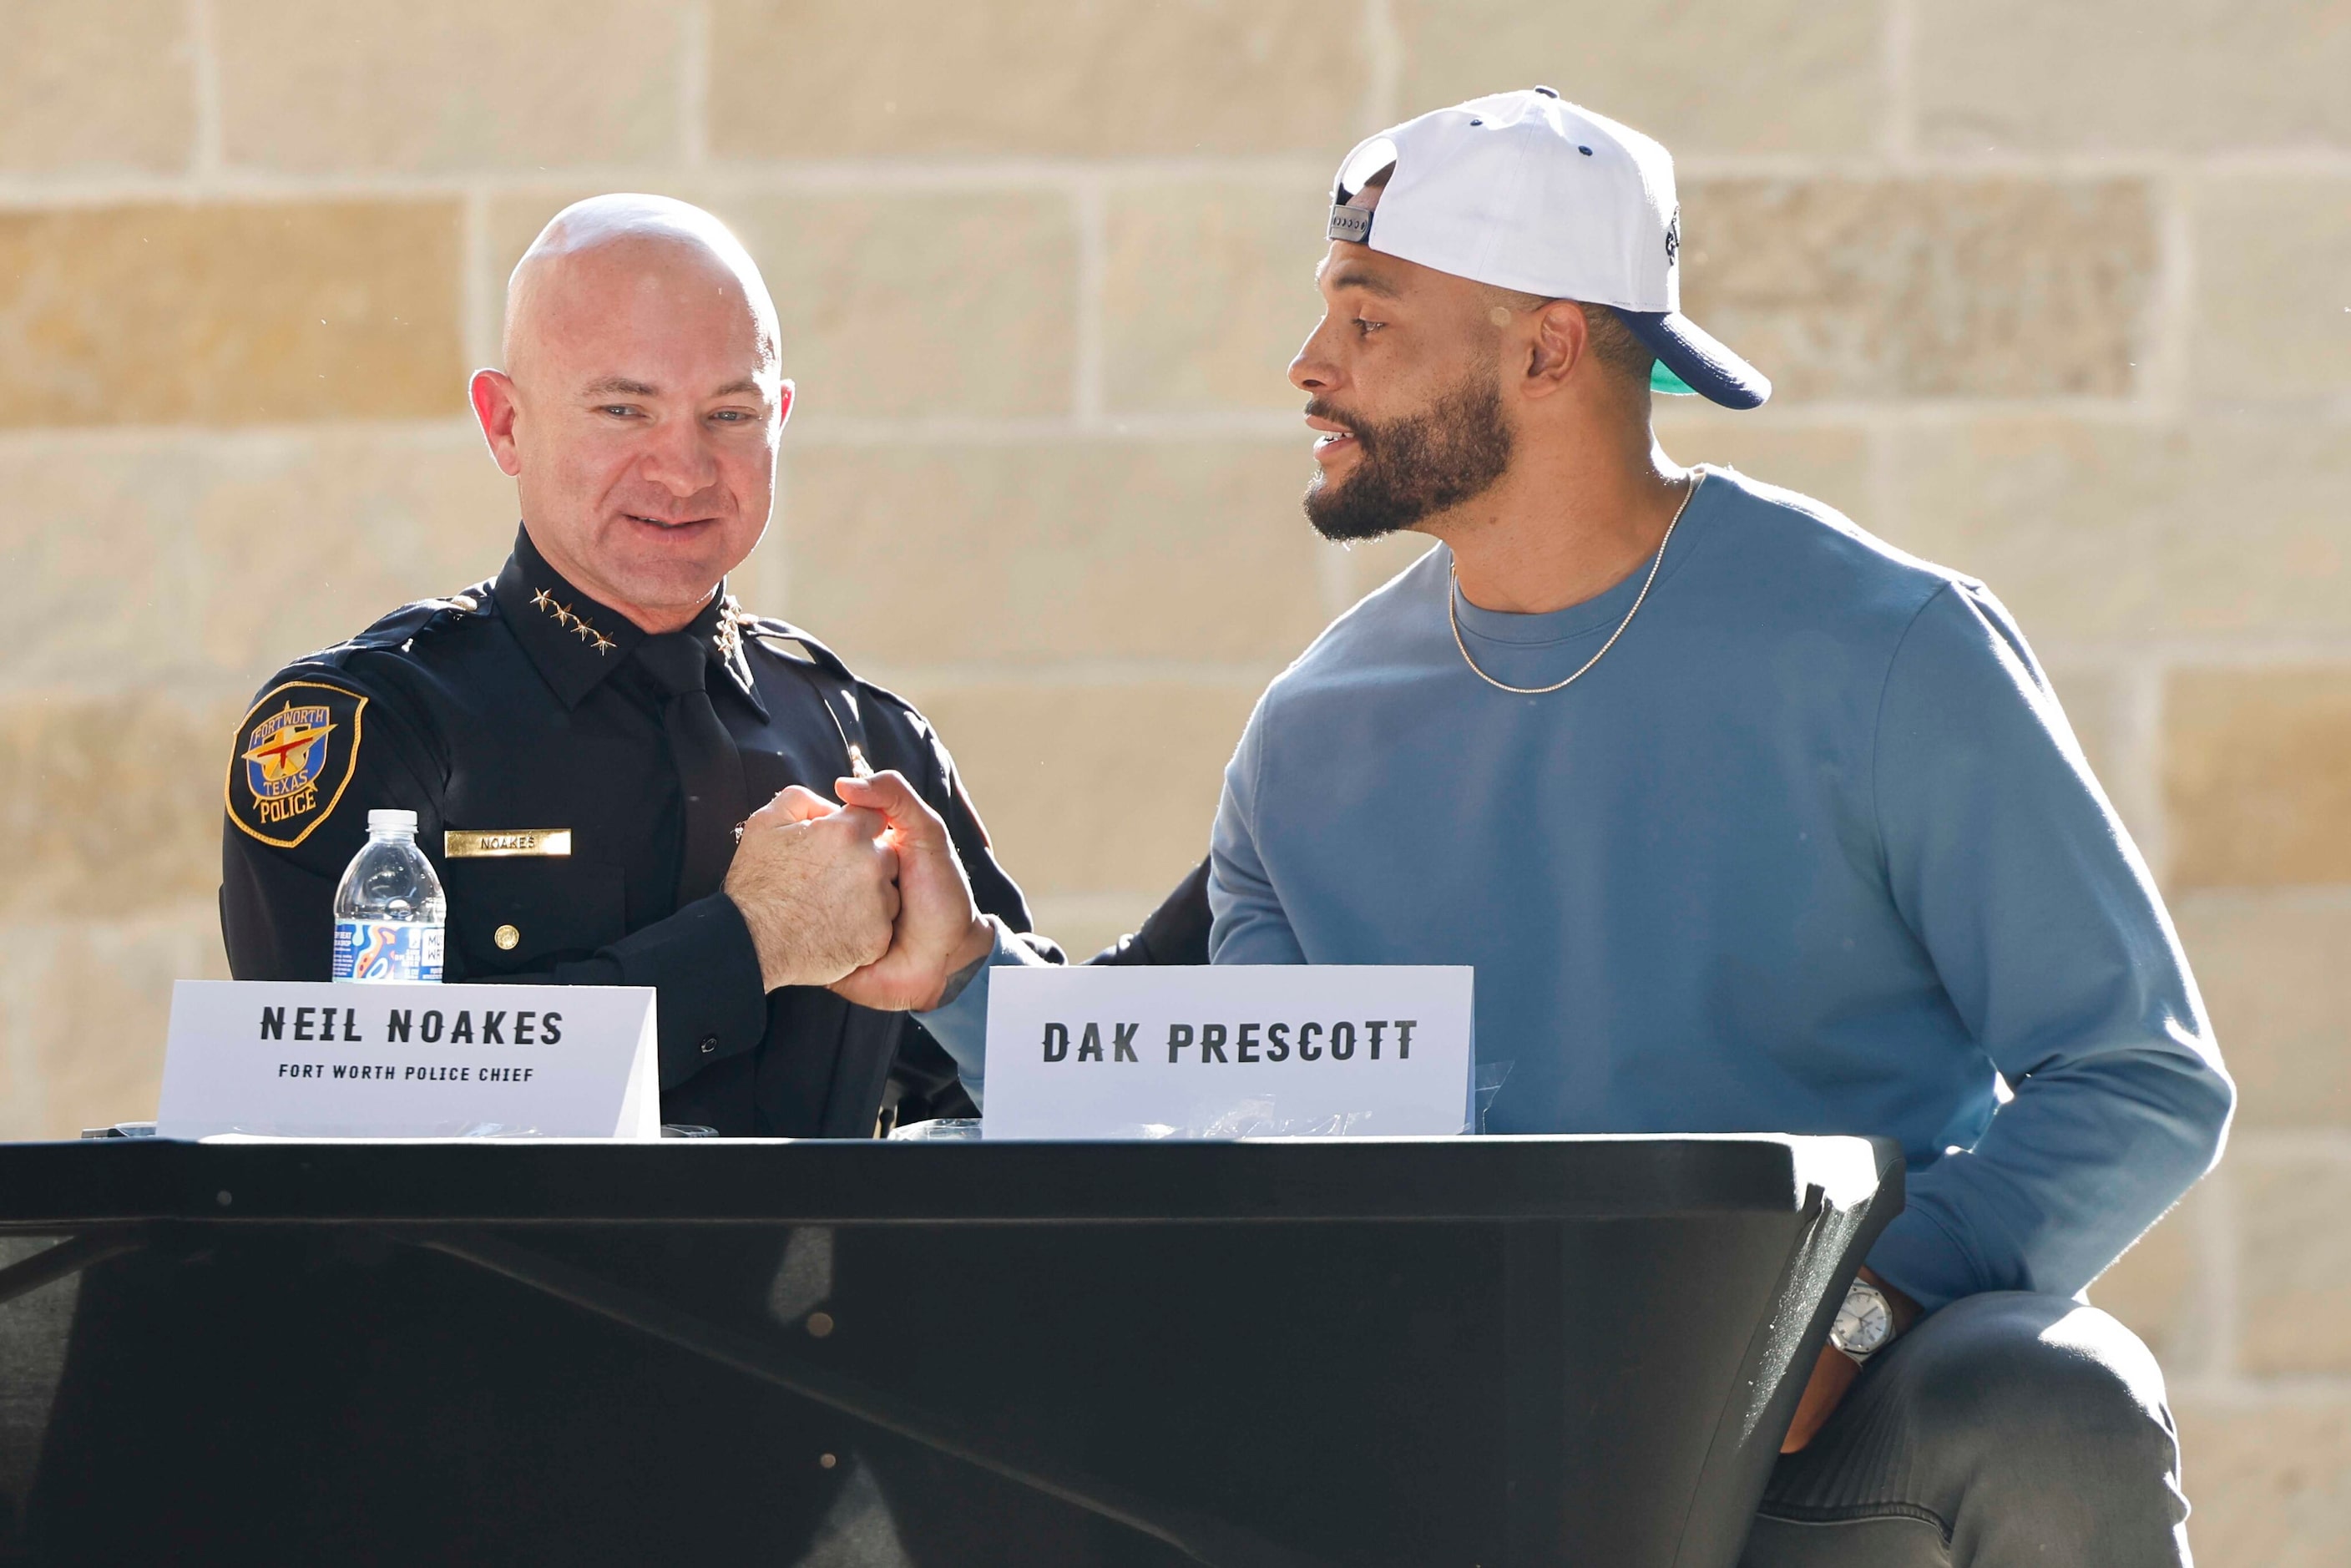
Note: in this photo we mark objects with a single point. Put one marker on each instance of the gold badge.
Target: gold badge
(297, 750)
(468, 844)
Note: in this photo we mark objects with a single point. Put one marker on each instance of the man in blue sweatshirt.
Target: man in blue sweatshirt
(1747, 821)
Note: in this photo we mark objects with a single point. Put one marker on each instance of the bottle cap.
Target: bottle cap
(378, 820)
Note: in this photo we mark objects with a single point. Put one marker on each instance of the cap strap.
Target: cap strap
(1352, 225)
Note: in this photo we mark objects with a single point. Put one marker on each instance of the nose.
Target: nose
(1313, 371)
(678, 458)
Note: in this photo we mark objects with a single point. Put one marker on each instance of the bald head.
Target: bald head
(658, 241)
(641, 402)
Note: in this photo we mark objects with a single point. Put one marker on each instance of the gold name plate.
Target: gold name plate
(464, 844)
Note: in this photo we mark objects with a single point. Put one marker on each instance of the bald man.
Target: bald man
(622, 777)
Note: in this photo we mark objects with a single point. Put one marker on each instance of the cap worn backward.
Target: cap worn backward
(1527, 192)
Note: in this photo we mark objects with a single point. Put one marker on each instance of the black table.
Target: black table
(1480, 1351)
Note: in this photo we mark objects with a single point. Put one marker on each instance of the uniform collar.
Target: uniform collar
(577, 642)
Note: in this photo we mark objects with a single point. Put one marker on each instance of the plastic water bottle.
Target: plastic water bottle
(389, 911)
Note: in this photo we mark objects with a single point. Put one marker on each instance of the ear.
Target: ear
(784, 392)
(1562, 342)
(493, 397)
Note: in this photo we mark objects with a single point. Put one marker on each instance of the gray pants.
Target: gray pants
(2006, 1429)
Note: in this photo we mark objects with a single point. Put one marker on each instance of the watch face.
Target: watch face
(1864, 1323)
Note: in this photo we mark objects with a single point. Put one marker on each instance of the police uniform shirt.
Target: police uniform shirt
(514, 720)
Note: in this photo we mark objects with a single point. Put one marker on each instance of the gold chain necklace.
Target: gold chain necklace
(1453, 614)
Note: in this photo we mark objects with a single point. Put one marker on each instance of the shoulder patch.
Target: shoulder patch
(294, 754)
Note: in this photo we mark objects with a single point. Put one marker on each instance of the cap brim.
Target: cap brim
(1698, 360)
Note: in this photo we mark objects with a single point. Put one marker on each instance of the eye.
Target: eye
(1364, 328)
(617, 409)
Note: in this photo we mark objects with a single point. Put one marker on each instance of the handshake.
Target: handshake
(866, 897)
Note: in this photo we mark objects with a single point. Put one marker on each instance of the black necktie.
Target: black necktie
(709, 768)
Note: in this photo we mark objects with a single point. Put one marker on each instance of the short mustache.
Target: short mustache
(1365, 434)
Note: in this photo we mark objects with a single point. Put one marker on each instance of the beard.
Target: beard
(1407, 468)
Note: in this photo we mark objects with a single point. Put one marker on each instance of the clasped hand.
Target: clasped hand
(866, 897)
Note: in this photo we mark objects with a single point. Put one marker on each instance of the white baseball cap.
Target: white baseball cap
(1527, 192)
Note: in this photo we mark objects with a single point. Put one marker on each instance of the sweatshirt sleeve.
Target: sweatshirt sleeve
(2006, 859)
(1248, 924)
(960, 1023)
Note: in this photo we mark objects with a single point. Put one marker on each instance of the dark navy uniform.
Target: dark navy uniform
(514, 720)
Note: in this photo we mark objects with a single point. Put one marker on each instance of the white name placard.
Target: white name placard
(324, 1060)
(1227, 1051)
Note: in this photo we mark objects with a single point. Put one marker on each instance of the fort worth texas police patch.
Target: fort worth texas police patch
(296, 751)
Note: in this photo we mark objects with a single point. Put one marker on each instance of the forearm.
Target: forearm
(2070, 1172)
(1176, 933)
(706, 972)
(2050, 940)
(959, 1023)
(276, 922)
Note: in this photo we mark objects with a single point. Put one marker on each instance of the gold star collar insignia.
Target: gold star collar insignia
(728, 639)
(545, 603)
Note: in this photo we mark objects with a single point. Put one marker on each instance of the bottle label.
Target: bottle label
(387, 950)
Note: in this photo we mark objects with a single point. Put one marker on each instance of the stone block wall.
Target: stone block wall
(2059, 295)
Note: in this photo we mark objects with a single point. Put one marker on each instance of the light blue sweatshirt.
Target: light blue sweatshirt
(1812, 850)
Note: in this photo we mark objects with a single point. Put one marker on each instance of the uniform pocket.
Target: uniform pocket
(512, 916)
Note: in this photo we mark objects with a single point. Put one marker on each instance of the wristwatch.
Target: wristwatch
(1865, 1323)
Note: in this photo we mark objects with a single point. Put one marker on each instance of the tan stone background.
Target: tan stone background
(2057, 293)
